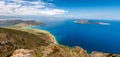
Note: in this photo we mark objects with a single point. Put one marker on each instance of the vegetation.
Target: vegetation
(11, 39)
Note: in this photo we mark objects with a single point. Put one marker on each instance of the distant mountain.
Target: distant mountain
(19, 23)
(10, 22)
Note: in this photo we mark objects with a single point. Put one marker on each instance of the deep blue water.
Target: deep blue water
(91, 37)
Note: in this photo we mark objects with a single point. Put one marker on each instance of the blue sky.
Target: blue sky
(96, 9)
(89, 9)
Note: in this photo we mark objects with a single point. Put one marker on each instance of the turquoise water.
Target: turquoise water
(91, 37)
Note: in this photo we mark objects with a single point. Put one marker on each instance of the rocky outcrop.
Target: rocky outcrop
(23, 53)
(101, 54)
(98, 54)
(81, 51)
(54, 50)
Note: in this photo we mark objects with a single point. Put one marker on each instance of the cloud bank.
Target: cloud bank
(25, 7)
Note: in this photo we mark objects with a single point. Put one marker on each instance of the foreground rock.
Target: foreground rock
(23, 53)
(52, 50)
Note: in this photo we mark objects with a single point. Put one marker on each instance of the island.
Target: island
(82, 21)
(90, 22)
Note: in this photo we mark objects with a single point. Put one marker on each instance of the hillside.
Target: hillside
(11, 39)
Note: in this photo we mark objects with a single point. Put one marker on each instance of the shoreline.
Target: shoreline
(52, 37)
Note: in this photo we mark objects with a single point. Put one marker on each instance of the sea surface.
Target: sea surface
(91, 37)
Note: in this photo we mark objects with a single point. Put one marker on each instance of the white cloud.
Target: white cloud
(23, 7)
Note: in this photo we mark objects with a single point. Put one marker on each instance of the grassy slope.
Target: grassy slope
(11, 39)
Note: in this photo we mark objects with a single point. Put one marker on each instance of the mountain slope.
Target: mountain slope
(11, 39)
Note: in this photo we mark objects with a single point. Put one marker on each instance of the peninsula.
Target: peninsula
(20, 23)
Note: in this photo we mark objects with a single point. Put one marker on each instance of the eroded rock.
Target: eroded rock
(23, 53)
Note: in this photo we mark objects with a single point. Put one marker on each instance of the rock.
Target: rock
(59, 55)
(23, 53)
(97, 54)
(101, 54)
(80, 50)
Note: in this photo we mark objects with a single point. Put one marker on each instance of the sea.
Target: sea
(91, 37)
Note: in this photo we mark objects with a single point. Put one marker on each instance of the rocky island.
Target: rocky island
(82, 21)
(90, 22)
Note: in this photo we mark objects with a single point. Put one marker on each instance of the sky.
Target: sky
(89, 9)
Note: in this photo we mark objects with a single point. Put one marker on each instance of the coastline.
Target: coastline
(52, 37)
